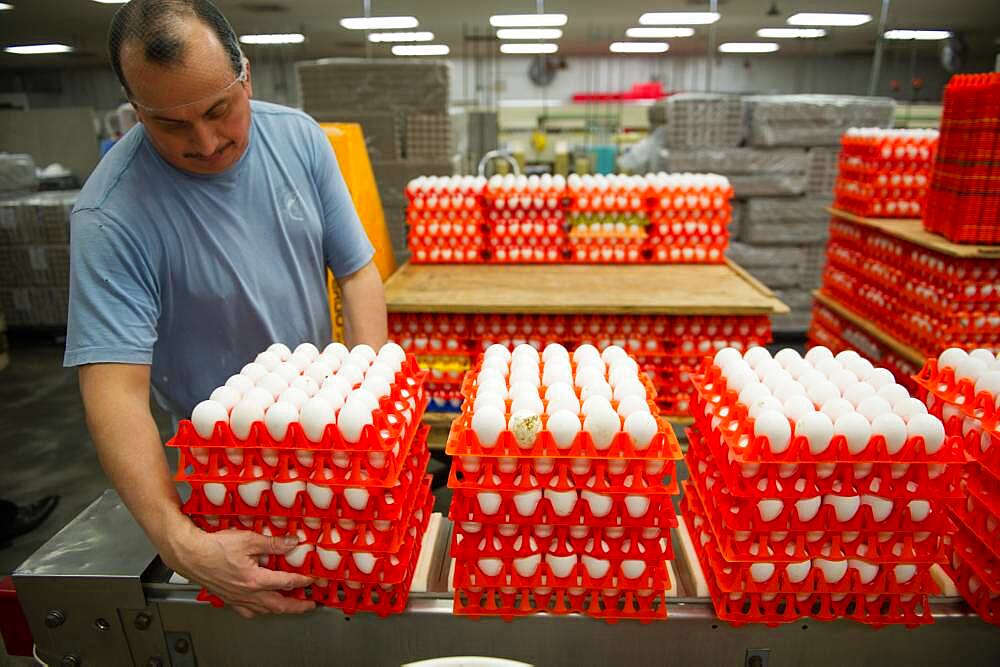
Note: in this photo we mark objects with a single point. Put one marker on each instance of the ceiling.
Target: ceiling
(593, 24)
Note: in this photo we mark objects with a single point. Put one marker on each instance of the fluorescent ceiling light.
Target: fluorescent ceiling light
(791, 33)
(36, 49)
(528, 48)
(679, 18)
(659, 33)
(380, 23)
(639, 47)
(529, 33)
(748, 47)
(917, 34)
(420, 50)
(844, 20)
(422, 36)
(528, 20)
(281, 38)
(4, 5)
(111, 2)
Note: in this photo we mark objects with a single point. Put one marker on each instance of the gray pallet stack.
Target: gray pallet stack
(699, 120)
(34, 258)
(402, 107)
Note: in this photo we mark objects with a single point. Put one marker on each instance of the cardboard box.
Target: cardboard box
(354, 84)
(790, 221)
(428, 136)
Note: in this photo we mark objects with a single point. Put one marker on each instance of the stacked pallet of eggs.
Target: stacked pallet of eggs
(963, 389)
(558, 478)
(607, 218)
(444, 219)
(818, 489)
(442, 344)
(689, 216)
(327, 447)
(885, 173)
(525, 218)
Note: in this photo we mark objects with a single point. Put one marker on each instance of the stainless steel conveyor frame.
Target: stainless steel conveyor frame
(96, 594)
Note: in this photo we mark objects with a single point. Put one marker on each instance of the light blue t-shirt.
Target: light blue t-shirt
(196, 274)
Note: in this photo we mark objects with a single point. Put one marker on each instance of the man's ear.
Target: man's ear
(249, 81)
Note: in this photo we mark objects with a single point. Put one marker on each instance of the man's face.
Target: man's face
(194, 112)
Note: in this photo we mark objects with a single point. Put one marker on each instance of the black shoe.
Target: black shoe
(31, 516)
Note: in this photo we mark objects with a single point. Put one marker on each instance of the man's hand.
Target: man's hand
(364, 307)
(226, 564)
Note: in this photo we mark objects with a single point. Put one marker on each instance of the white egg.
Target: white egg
(856, 430)
(843, 379)
(821, 392)
(525, 425)
(763, 404)
(631, 404)
(205, 416)
(893, 393)
(598, 388)
(828, 367)
(365, 397)
(259, 395)
(556, 373)
(984, 356)
(306, 385)
(570, 404)
(739, 379)
(833, 570)
(970, 369)
(564, 426)
(597, 568)
(891, 427)
(768, 368)
(929, 428)
(904, 573)
(593, 362)
(243, 416)
(554, 351)
(817, 429)
(636, 506)
(919, 509)
(488, 423)
(755, 355)
(278, 418)
(881, 377)
(241, 383)
(603, 425)
(631, 387)
(808, 508)
(908, 408)
(951, 357)
(797, 368)
(796, 407)
(586, 375)
(786, 356)
(761, 572)
(316, 414)
(614, 353)
(816, 354)
(318, 371)
(881, 507)
(353, 417)
(493, 387)
(727, 355)
(273, 383)
(337, 383)
(497, 364)
(287, 371)
(488, 399)
(281, 350)
(989, 383)
(846, 355)
(352, 373)
(524, 352)
(866, 571)
(227, 396)
(774, 426)
(268, 360)
(752, 393)
(810, 377)
(377, 385)
(585, 351)
(858, 392)
(366, 352)
(392, 354)
(835, 408)
(786, 389)
(873, 406)
(595, 403)
(600, 503)
(255, 371)
(641, 427)
(797, 572)
(527, 402)
(560, 566)
(293, 396)
(499, 351)
(300, 360)
(338, 350)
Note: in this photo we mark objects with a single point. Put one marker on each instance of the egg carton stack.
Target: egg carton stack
(689, 217)
(443, 345)
(831, 330)
(667, 349)
(526, 218)
(885, 173)
(445, 220)
(818, 489)
(963, 389)
(559, 496)
(326, 447)
(607, 218)
(926, 299)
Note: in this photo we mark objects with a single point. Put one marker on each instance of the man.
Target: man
(202, 237)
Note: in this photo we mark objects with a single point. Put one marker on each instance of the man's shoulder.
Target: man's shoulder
(110, 180)
(281, 117)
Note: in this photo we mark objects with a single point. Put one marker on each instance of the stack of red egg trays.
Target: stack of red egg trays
(539, 528)
(524, 227)
(784, 536)
(928, 300)
(964, 200)
(688, 225)
(667, 348)
(359, 509)
(829, 329)
(884, 173)
(445, 221)
(974, 555)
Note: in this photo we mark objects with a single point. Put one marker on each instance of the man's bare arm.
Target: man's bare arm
(364, 307)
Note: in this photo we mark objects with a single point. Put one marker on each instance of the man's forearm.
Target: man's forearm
(364, 308)
(129, 448)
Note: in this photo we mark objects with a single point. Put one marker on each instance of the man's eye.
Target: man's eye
(218, 112)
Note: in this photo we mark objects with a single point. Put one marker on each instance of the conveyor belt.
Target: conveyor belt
(98, 594)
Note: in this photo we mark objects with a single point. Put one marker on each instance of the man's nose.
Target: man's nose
(204, 139)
